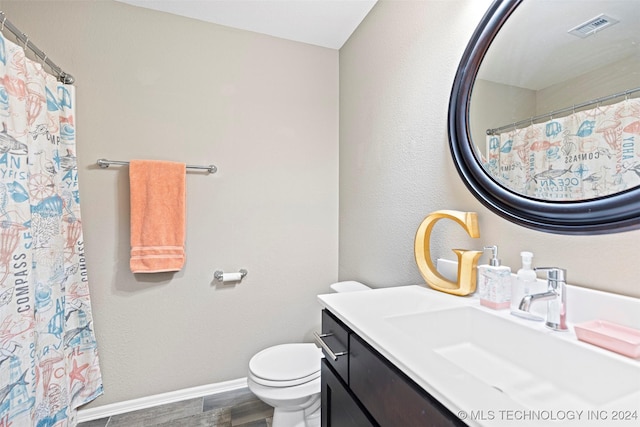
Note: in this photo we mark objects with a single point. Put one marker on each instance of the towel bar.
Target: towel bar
(104, 163)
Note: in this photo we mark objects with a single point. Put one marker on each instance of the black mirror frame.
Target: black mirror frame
(616, 213)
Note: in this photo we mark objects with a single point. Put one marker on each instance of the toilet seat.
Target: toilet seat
(286, 365)
(283, 384)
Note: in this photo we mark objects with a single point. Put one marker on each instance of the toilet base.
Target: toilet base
(298, 406)
(297, 417)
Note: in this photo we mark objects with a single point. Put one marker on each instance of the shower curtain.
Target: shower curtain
(48, 355)
(585, 155)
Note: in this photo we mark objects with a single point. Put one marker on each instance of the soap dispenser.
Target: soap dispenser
(525, 283)
(494, 282)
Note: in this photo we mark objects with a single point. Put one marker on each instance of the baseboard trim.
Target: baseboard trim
(159, 399)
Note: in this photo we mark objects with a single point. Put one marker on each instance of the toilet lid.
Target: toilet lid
(290, 363)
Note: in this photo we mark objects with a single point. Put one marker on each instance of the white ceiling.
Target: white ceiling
(327, 23)
(535, 37)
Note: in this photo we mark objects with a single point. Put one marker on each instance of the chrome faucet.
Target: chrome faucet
(556, 297)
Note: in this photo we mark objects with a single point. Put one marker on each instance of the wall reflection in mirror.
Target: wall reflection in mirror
(554, 113)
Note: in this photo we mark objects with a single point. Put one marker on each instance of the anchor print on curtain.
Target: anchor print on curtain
(585, 155)
(48, 354)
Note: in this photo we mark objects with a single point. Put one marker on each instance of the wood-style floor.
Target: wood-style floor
(237, 408)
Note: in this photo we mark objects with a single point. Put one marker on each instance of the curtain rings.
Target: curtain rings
(26, 41)
(4, 18)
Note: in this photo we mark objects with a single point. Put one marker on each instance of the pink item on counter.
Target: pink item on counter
(614, 337)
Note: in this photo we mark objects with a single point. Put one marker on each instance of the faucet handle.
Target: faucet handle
(554, 274)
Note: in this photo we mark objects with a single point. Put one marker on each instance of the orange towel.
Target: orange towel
(157, 215)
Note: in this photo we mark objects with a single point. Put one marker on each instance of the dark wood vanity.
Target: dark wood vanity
(362, 388)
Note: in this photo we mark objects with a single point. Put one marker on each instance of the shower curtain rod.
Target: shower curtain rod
(563, 110)
(62, 76)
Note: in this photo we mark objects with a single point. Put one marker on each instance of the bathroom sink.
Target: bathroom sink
(532, 366)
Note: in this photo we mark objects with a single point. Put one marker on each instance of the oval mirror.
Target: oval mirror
(544, 115)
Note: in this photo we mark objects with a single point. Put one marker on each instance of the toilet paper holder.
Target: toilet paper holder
(221, 276)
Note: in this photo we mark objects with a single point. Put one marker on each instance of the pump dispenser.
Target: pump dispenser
(494, 282)
(525, 282)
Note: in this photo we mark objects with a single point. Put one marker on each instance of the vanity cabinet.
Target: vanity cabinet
(339, 408)
(362, 388)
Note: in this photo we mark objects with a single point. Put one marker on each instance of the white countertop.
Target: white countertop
(367, 313)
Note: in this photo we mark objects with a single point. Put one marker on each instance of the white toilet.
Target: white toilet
(287, 377)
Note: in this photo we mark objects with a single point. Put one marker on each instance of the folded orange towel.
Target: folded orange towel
(157, 215)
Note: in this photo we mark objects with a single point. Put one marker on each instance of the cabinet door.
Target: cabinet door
(391, 397)
(339, 409)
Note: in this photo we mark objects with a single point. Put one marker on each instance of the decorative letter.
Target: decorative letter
(467, 260)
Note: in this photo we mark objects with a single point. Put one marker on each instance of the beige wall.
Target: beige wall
(613, 78)
(396, 74)
(489, 109)
(265, 111)
(494, 105)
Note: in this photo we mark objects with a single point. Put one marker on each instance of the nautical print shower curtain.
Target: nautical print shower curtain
(585, 155)
(48, 355)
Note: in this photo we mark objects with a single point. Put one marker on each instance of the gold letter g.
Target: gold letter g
(467, 260)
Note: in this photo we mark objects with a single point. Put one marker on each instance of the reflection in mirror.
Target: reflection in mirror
(555, 108)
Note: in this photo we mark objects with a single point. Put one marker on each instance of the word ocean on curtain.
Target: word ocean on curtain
(585, 155)
(48, 354)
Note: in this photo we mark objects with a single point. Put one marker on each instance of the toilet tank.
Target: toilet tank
(349, 286)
